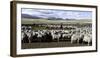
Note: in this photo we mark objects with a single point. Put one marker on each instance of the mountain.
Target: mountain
(45, 17)
(29, 16)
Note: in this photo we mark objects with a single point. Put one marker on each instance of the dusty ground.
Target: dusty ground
(49, 45)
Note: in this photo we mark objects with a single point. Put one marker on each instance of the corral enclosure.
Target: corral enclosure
(44, 24)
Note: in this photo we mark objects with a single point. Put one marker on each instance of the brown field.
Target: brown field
(31, 21)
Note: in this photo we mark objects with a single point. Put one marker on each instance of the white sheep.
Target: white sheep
(56, 36)
(87, 38)
(76, 37)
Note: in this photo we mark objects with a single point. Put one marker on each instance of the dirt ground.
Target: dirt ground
(49, 45)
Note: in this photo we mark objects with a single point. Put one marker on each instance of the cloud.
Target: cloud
(64, 14)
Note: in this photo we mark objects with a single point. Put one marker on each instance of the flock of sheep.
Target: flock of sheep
(74, 35)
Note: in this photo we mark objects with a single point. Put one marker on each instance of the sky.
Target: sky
(57, 13)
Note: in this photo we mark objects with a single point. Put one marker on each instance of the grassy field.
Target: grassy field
(31, 21)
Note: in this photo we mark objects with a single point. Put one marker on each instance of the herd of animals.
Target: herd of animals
(73, 35)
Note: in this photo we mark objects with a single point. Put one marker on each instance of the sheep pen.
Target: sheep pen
(50, 33)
